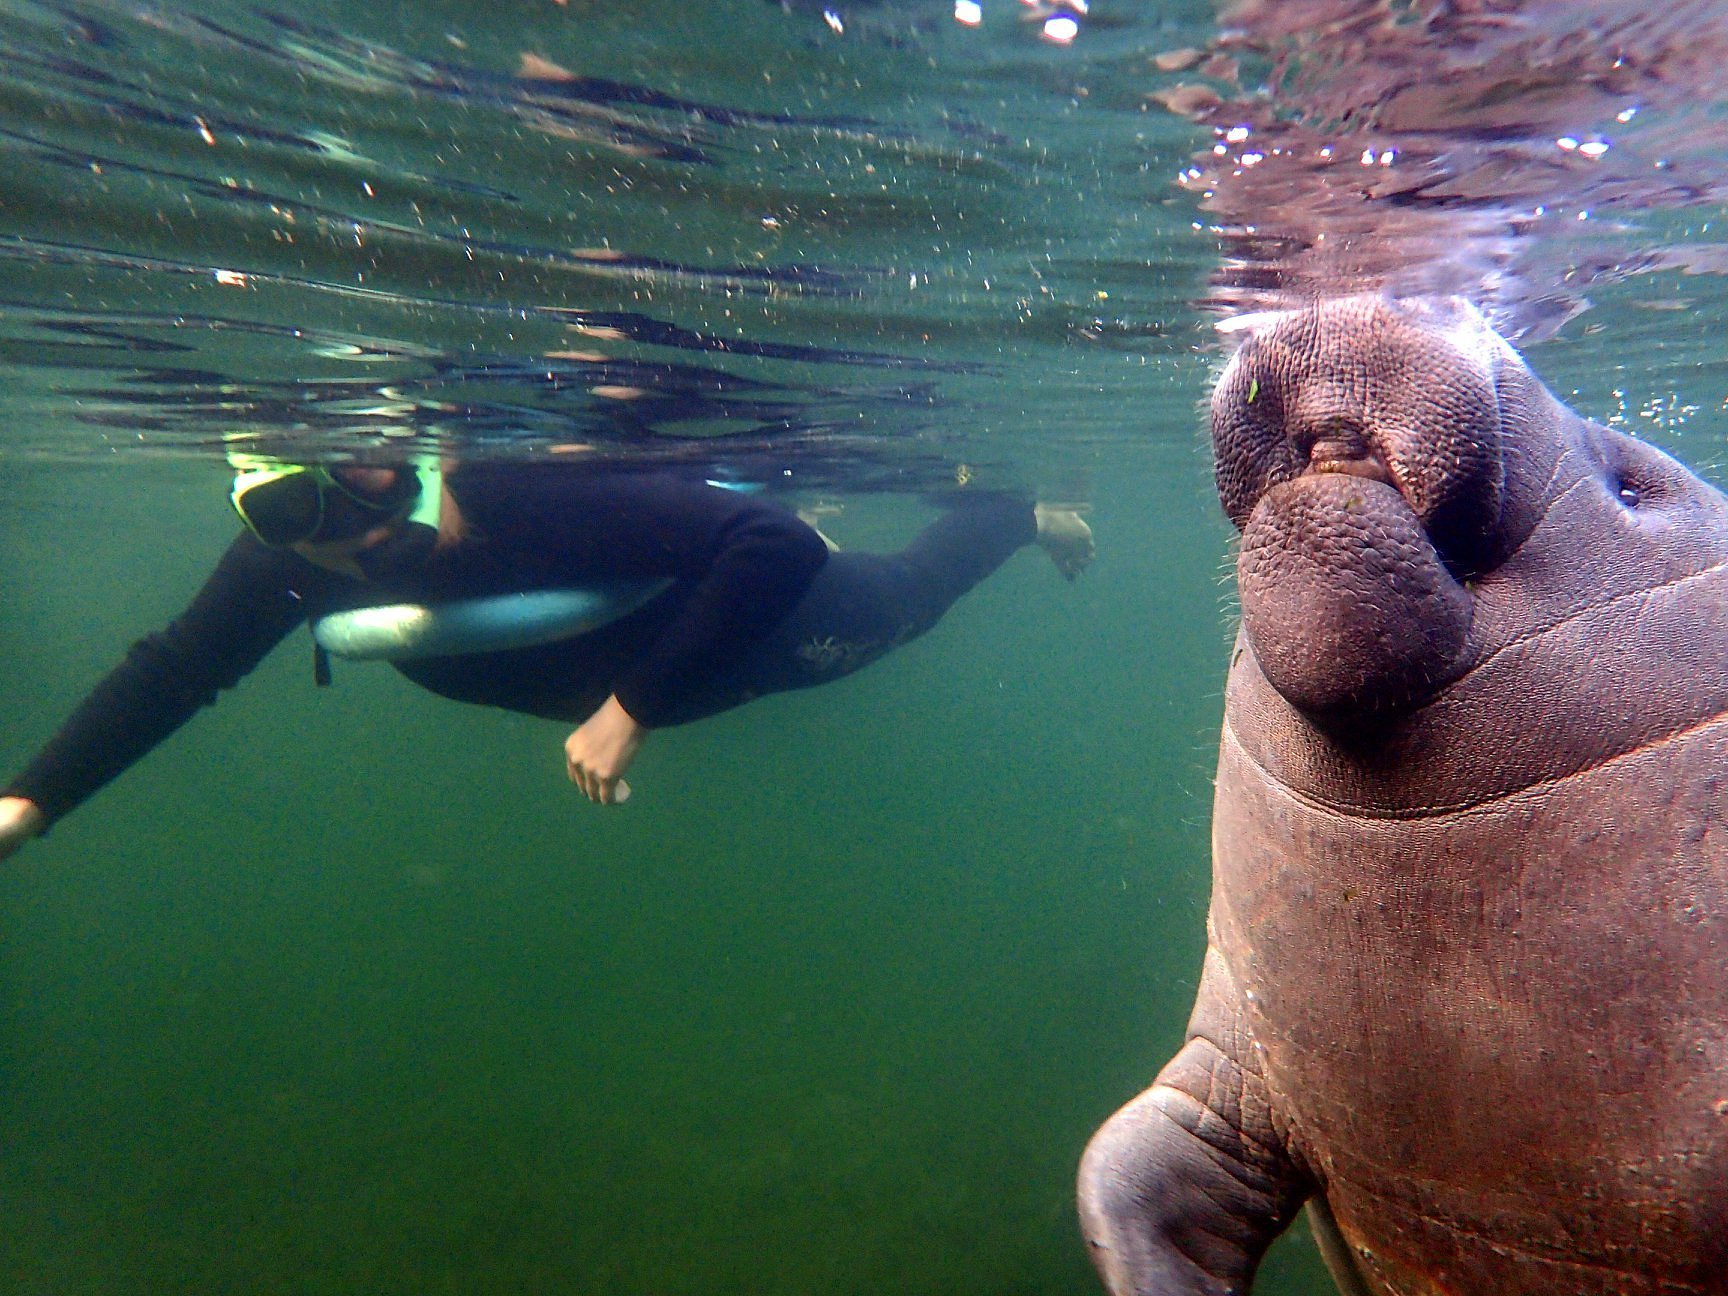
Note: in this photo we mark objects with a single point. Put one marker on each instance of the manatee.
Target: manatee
(1465, 992)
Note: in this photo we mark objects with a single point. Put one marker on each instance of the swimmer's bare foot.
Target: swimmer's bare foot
(812, 518)
(1064, 535)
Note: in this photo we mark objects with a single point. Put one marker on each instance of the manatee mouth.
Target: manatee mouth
(1404, 394)
(1326, 458)
(1349, 452)
(1359, 450)
(1346, 601)
(1449, 483)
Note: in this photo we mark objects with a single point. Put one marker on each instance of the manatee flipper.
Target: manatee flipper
(1185, 1187)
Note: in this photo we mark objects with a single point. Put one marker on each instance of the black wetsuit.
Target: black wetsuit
(757, 605)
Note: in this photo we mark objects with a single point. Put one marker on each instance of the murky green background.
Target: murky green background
(346, 990)
(349, 991)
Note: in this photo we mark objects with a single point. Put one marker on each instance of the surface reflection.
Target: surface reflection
(623, 225)
(1504, 152)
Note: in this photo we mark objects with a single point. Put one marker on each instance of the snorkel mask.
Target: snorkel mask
(286, 504)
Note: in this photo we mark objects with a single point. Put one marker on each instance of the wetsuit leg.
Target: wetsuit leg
(861, 606)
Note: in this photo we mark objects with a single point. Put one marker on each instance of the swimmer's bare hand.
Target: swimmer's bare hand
(599, 752)
(20, 820)
(1064, 535)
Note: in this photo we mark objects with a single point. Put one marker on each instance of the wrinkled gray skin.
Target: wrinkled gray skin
(1466, 990)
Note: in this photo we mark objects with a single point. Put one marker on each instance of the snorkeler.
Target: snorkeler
(622, 601)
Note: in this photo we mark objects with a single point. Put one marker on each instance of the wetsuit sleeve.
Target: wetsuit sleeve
(751, 562)
(251, 601)
(742, 565)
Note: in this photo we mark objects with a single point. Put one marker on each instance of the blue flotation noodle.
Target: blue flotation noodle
(403, 631)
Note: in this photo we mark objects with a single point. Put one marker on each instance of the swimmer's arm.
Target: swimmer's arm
(250, 602)
(743, 561)
(751, 561)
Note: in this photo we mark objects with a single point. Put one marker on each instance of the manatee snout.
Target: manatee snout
(1344, 598)
(1359, 449)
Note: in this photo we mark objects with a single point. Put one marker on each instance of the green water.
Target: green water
(348, 990)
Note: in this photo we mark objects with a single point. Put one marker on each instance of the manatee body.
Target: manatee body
(1466, 985)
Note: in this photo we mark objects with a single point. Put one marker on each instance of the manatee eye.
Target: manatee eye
(1638, 476)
